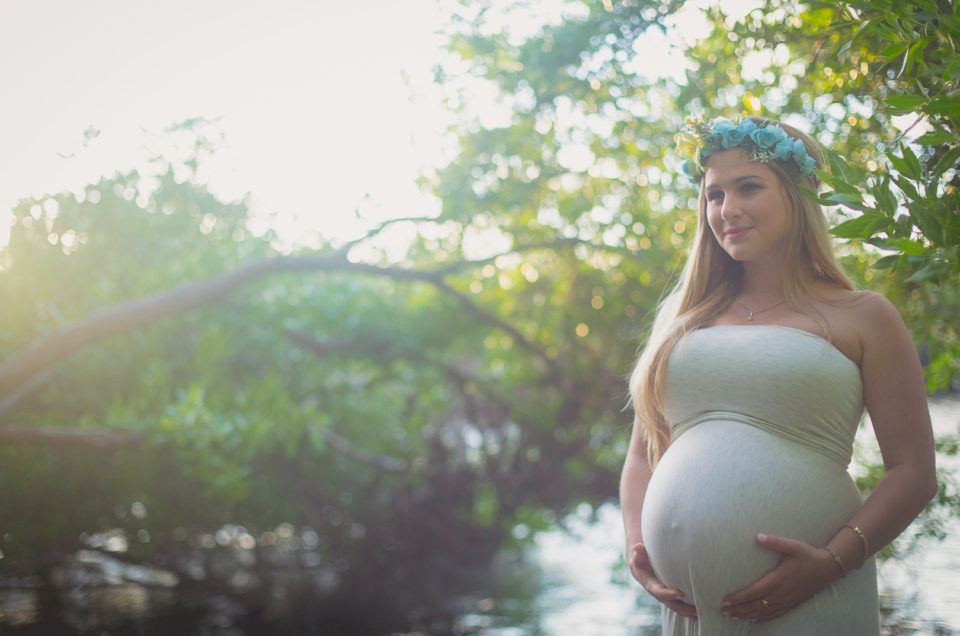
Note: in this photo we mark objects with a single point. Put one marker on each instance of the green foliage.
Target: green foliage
(418, 425)
(915, 210)
(844, 71)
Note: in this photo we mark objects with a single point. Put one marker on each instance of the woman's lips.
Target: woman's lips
(736, 232)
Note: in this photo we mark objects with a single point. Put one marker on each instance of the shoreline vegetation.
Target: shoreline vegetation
(367, 421)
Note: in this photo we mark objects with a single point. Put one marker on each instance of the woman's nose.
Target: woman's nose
(730, 208)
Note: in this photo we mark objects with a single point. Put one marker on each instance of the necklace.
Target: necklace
(751, 313)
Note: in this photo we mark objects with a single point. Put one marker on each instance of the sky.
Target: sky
(326, 108)
(313, 98)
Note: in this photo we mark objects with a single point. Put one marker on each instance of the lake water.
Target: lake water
(571, 582)
(576, 581)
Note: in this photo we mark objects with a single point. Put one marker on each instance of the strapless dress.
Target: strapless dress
(762, 421)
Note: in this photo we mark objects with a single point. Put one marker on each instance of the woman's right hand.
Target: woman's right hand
(642, 570)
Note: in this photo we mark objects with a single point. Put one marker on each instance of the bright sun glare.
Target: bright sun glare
(326, 109)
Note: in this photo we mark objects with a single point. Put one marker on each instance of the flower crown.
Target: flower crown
(762, 142)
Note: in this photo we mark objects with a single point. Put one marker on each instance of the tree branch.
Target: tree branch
(69, 437)
(489, 318)
(18, 373)
(385, 225)
(346, 447)
(33, 383)
(47, 350)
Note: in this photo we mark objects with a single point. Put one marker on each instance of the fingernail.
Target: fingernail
(725, 604)
(734, 618)
(761, 537)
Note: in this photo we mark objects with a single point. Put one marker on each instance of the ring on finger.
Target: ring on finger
(764, 604)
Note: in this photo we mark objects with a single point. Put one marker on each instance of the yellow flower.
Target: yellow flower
(687, 145)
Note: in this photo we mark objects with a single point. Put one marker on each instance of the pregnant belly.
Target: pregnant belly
(717, 486)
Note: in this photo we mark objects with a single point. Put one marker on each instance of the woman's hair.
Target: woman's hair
(711, 280)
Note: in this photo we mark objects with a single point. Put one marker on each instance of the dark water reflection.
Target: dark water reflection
(571, 582)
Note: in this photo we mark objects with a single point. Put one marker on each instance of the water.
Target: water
(570, 582)
(576, 581)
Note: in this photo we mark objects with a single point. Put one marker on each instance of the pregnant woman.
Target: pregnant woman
(739, 513)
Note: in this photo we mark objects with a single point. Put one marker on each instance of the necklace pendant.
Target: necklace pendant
(750, 317)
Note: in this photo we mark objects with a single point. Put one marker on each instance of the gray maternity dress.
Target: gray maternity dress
(762, 423)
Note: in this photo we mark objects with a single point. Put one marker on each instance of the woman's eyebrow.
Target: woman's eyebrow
(735, 181)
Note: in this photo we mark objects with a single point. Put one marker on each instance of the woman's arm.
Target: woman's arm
(633, 488)
(895, 397)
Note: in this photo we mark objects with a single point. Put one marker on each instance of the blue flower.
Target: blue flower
(759, 143)
(711, 144)
(783, 151)
(779, 134)
(799, 151)
(764, 138)
(721, 124)
(747, 126)
(732, 137)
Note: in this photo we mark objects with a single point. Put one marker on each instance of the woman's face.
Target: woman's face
(747, 208)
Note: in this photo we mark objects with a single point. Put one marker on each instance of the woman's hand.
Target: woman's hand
(802, 572)
(642, 570)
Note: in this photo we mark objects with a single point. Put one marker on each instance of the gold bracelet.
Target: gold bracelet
(836, 559)
(863, 539)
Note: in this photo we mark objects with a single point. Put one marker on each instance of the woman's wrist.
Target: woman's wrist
(832, 571)
(863, 540)
(849, 551)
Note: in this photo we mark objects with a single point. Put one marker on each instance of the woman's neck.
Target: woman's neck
(762, 280)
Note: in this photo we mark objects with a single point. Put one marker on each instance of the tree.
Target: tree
(390, 421)
(168, 379)
(854, 71)
(829, 64)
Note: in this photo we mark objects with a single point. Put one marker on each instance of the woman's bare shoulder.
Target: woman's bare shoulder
(871, 315)
(862, 303)
(859, 320)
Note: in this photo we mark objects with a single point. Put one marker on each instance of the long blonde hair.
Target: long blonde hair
(711, 280)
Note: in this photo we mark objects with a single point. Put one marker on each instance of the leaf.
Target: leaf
(854, 201)
(885, 262)
(853, 38)
(916, 170)
(928, 272)
(915, 50)
(908, 188)
(810, 194)
(935, 138)
(948, 106)
(839, 166)
(893, 50)
(928, 223)
(947, 161)
(905, 246)
(888, 34)
(906, 164)
(886, 200)
(902, 104)
(862, 226)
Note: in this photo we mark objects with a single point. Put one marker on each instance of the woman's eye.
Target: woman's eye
(715, 196)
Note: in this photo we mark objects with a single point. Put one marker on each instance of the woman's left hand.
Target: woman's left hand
(802, 572)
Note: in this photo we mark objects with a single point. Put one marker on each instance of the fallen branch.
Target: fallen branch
(43, 352)
(70, 437)
(19, 372)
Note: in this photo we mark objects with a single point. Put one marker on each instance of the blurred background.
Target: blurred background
(316, 318)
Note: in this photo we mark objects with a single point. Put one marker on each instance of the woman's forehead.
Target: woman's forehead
(731, 165)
